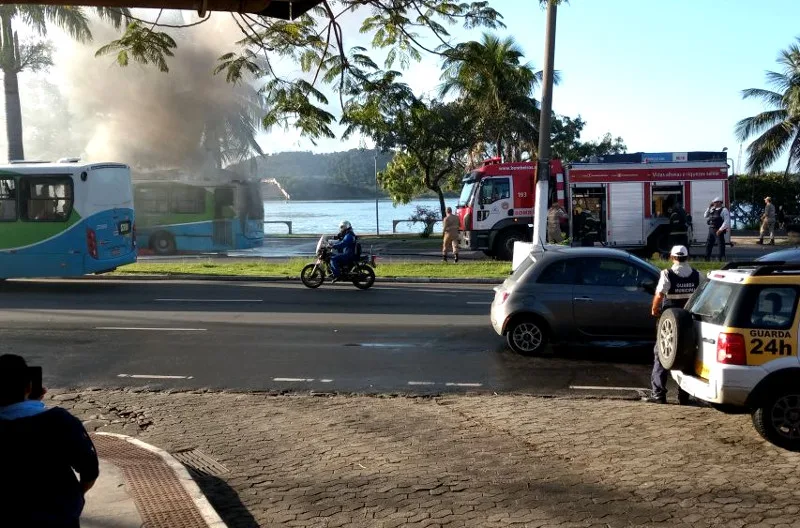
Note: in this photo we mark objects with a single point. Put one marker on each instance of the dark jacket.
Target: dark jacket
(347, 245)
(37, 483)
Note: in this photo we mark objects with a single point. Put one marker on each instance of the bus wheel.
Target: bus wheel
(163, 244)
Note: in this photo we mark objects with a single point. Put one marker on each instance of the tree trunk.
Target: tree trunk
(441, 201)
(11, 85)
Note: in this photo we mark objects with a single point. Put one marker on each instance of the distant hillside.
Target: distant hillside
(328, 176)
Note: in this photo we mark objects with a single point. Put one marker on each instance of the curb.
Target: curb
(256, 278)
(207, 512)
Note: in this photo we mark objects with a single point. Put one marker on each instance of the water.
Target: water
(309, 218)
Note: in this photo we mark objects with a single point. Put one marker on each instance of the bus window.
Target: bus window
(151, 200)
(47, 199)
(8, 200)
(187, 200)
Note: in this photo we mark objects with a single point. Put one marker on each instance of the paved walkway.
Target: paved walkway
(266, 460)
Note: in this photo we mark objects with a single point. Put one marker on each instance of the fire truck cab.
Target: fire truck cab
(621, 201)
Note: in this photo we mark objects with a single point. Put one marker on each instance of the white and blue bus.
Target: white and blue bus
(65, 219)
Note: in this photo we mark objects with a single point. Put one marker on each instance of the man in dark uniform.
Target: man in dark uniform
(718, 219)
(678, 234)
(674, 288)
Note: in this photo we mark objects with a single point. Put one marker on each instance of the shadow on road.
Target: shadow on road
(225, 501)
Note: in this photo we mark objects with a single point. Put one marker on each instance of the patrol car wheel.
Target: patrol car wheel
(526, 336)
(777, 420)
(675, 339)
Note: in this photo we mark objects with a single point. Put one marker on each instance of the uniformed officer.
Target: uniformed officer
(674, 288)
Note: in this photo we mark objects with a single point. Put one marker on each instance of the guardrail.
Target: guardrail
(287, 222)
(395, 222)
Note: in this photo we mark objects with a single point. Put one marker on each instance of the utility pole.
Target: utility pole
(377, 223)
(541, 193)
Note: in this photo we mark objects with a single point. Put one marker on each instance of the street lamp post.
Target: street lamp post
(541, 192)
(377, 223)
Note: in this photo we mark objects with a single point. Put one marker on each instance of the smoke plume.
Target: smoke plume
(149, 119)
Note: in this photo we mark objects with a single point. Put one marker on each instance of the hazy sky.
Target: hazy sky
(666, 76)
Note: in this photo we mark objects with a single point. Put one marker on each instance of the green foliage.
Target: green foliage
(141, 44)
(566, 144)
(779, 126)
(428, 217)
(748, 193)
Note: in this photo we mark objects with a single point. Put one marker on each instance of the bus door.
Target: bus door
(224, 213)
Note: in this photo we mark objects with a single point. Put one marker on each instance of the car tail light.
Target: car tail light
(91, 242)
(731, 349)
(504, 297)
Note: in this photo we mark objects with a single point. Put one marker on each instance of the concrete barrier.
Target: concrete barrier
(287, 222)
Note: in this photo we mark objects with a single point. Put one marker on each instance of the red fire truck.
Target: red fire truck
(621, 201)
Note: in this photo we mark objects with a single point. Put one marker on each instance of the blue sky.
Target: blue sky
(666, 76)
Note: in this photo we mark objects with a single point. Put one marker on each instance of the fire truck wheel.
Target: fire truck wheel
(504, 245)
(675, 338)
(527, 335)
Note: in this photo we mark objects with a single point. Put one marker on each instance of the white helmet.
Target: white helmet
(345, 225)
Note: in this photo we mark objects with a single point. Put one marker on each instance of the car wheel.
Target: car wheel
(527, 336)
(675, 338)
(777, 419)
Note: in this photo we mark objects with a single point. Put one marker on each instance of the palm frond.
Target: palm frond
(750, 126)
(772, 98)
(769, 147)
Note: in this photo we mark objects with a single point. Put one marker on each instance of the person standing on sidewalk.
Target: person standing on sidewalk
(718, 219)
(674, 288)
(42, 450)
(450, 233)
(768, 222)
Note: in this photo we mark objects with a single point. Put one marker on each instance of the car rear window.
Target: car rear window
(713, 301)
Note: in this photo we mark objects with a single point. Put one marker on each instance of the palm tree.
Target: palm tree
(780, 125)
(491, 76)
(16, 57)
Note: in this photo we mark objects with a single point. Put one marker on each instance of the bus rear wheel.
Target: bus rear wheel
(163, 244)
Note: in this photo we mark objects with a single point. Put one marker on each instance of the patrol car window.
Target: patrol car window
(561, 272)
(611, 272)
(774, 308)
(713, 300)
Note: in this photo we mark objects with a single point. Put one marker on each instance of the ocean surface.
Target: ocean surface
(310, 218)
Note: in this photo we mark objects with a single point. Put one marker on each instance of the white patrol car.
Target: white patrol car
(735, 346)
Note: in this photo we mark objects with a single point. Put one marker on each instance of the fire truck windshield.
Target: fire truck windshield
(466, 194)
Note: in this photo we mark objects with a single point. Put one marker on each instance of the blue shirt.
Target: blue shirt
(347, 245)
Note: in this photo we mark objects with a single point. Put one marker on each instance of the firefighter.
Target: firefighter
(678, 230)
(674, 288)
(554, 217)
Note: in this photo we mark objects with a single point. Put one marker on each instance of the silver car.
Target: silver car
(575, 295)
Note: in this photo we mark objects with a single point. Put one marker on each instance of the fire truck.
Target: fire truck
(621, 200)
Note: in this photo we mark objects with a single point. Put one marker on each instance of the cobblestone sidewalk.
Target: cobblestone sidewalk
(461, 460)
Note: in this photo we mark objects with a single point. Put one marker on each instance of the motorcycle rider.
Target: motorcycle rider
(347, 248)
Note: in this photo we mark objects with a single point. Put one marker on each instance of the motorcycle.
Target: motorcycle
(360, 272)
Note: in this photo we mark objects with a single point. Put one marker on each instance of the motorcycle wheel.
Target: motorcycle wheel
(364, 277)
(312, 276)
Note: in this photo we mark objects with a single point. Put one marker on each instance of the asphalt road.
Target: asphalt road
(282, 336)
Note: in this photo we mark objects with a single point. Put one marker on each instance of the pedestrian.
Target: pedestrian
(678, 229)
(718, 219)
(675, 286)
(768, 222)
(555, 215)
(42, 450)
(450, 233)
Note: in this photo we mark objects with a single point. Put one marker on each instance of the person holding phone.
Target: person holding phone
(42, 449)
(718, 219)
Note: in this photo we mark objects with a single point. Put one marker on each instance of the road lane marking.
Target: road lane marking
(422, 383)
(290, 380)
(483, 303)
(211, 300)
(593, 387)
(153, 328)
(464, 384)
(152, 376)
(326, 381)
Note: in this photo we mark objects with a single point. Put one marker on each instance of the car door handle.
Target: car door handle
(583, 299)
